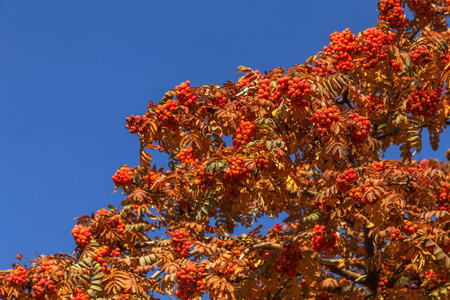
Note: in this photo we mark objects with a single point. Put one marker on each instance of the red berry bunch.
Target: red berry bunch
(396, 65)
(244, 133)
(102, 211)
(115, 252)
(47, 266)
(17, 276)
(184, 94)
(357, 194)
(123, 176)
(282, 89)
(342, 47)
(322, 68)
(264, 89)
(445, 61)
(152, 177)
(345, 181)
(396, 235)
(262, 163)
(420, 55)
(323, 118)
(204, 179)
(289, 258)
(180, 243)
(375, 103)
(392, 12)
(410, 228)
(225, 269)
(237, 170)
(319, 243)
(190, 281)
(276, 230)
(137, 124)
(373, 47)
(360, 130)
(298, 90)
(423, 103)
(80, 295)
(165, 113)
(421, 7)
(443, 197)
(99, 256)
(220, 100)
(185, 156)
(81, 234)
(380, 166)
(382, 285)
(43, 289)
(117, 223)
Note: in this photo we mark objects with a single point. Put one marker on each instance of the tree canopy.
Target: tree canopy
(306, 142)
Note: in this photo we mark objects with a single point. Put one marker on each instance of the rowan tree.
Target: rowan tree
(308, 142)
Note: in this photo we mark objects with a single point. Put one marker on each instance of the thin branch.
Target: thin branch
(350, 275)
(265, 245)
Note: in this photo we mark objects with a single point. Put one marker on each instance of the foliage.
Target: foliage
(306, 141)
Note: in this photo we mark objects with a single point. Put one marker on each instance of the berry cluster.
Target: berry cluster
(225, 269)
(47, 266)
(375, 103)
(17, 276)
(373, 47)
(289, 258)
(323, 118)
(137, 124)
(262, 163)
(282, 89)
(420, 56)
(410, 228)
(342, 47)
(396, 65)
(446, 61)
(184, 94)
(322, 68)
(43, 289)
(264, 89)
(99, 256)
(420, 7)
(382, 285)
(102, 211)
(218, 100)
(152, 177)
(123, 176)
(360, 130)
(180, 243)
(237, 170)
(204, 179)
(392, 12)
(117, 223)
(166, 114)
(423, 103)
(443, 197)
(321, 243)
(440, 278)
(80, 295)
(190, 281)
(380, 166)
(345, 181)
(81, 234)
(244, 133)
(276, 230)
(185, 156)
(357, 194)
(298, 90)
(396, 235)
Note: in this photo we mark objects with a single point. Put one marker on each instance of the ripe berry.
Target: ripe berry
(17, 276)
(184, 94)
(81, 234)
(324, 118)
(244, 133)
(343, 47)
(180, 243)
(373, 47)
(237, 171)
(345, 181)
(423, 103)
(392, 12)
(137, 124)
(289, 259)
(420, 56)
(360, 130)
(166, 114)
(123, 176)
(319, 243)
(190, 280)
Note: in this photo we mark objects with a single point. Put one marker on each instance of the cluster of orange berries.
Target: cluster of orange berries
(423, 103)
(445, 61)
(204, 179)
(289, 258)
(43, 289)
(345, 181)
(80, 295)
(244, 133)
(47, 266)
(81, 234)
(237, 169)
(443, 197)
(410, 228)
(420, 6)
(190, 281)
(264, 89)
(123, 176)
(382, 285)
(220, 100)
(322, 68)
(396, 235)
(180, 243)
(319, 243)
(184, 94)
(117, 223)
(380, 166)
(420, 56)
(262, 163)
(440, 278)
(276, 230)
(282, 89)
(373, 47)
(298, 90)
(99, 256)
(323, 118)
(165, 114)
(342, 47)
(152, 177)
(17, 276)
(396, 65)
(226, 269)
(357, 194)
(392, 12)
(375, 103)
(137, 124)
(185, 156)
(359, 131)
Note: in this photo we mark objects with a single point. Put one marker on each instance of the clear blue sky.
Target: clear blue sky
(71, 71)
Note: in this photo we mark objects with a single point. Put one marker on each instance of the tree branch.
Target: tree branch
(350, 275)
(265, 245)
